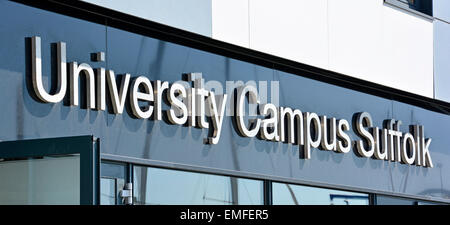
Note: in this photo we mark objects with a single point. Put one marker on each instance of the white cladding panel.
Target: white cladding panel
(356, 39)
(408, 52)
(293, 29)
(364, 39)
(230, 21)
(385, 45)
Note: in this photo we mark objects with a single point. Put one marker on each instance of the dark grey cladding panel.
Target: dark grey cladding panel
(22, 117)
(418, 179)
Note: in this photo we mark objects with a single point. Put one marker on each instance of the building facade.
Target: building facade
(225, 102)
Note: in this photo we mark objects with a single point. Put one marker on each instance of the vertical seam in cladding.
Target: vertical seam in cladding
(211, 18)
(434, 65)
(328, 34)
(106, 59)
(248, 22)
(106, 44)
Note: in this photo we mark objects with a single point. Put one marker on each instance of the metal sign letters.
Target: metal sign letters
(195, 106)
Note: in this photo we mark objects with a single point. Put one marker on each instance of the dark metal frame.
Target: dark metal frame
(268, 196)
(87, 146)
(406, 7)
(116, 170)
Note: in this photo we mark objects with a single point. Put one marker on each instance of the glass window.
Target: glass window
(290, 194)
(43, 180)
(422, 6)
(112, 181)
(389, 200)
(172, 187)
(107, 191)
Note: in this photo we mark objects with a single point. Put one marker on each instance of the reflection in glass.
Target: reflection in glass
(107, 191)
(43, 180)
(389, 200)
(289, 194)
(163, 186)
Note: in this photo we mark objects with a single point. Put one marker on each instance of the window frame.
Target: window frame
(88, 147)
(403, 6)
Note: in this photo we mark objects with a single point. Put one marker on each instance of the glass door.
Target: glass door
(115, 185)
(63, 171)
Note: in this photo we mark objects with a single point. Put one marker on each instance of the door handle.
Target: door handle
(127, 194)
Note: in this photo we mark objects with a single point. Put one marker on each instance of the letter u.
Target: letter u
(36, 72)
(381, 152)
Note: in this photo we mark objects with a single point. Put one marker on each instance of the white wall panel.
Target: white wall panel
(293, 29)
(230, 21)
(365, 39)
(355, 38)
(378, 43)
(407, 52)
